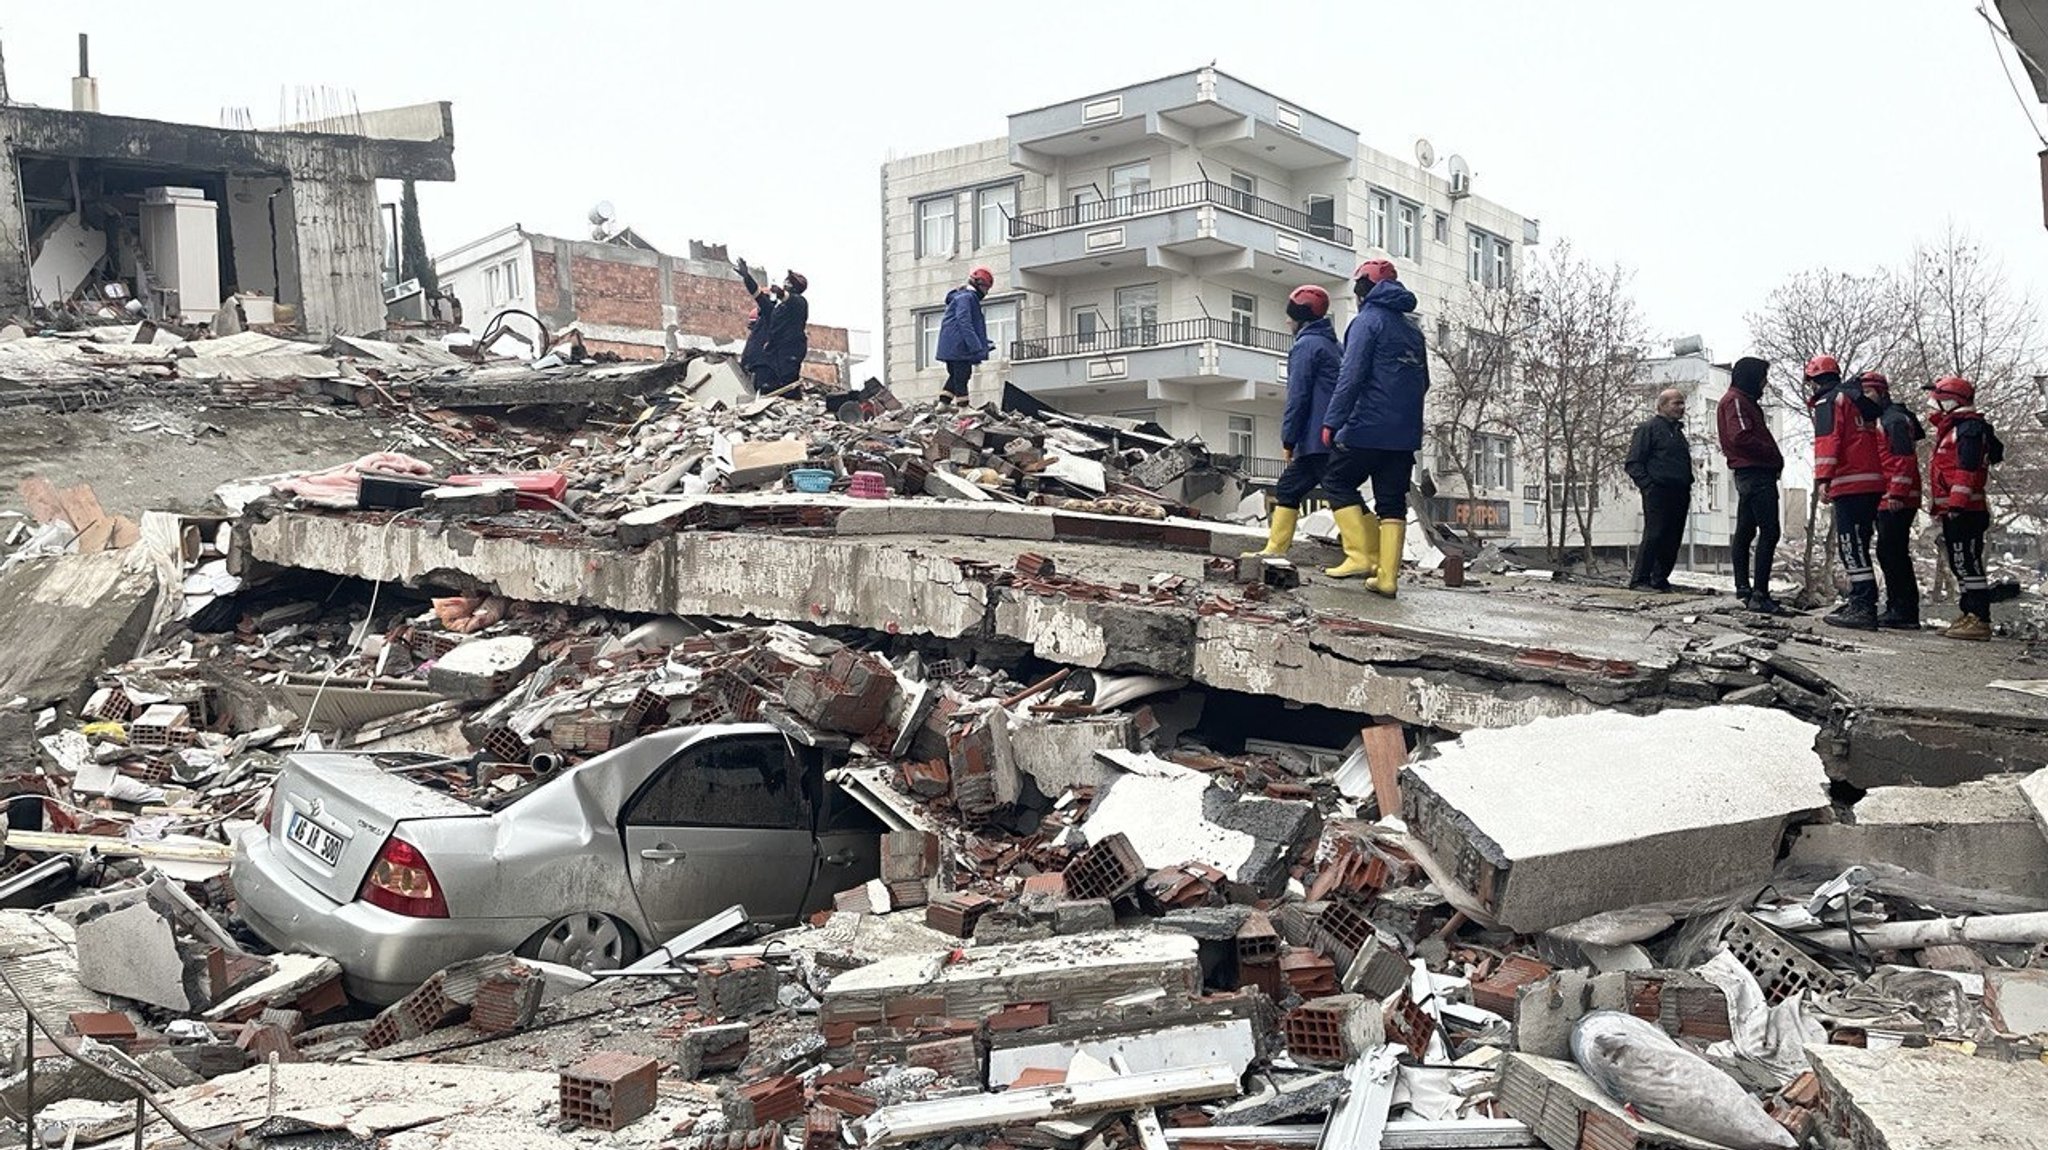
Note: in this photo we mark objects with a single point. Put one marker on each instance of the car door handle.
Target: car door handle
(663, 854)
(841, 858)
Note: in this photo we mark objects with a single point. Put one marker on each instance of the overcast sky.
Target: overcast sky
(1713, 147)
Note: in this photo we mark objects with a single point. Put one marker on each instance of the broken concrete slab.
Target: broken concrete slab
(1083, 976)
(1548, 823)
(483, 669)
(1229, 1043)
(2017, 1000)
(68, 616)
(134, 953)
(1977, 836)
(1060, 753)
(1930, 1098)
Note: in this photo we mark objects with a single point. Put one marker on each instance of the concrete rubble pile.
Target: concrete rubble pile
(1504, 896)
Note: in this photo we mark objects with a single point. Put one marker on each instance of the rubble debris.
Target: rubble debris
(1978, 839)
(1639, 1065)
(1907, 1098)
(609, 1091)
(911, 1121)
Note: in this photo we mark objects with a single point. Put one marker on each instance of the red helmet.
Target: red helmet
(1376, 271)
(1954, 387)
(1315, 299)
(1822, 365)
(982, 278)
(1874, 379)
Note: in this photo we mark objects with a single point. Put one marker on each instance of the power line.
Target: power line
(2006, 67)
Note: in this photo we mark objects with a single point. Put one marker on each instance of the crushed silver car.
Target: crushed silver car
(360, 859)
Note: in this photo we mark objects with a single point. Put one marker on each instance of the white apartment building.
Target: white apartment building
(1144, 241)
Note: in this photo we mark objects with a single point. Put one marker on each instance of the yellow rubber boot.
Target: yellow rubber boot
(1280, 536)
(1391, 533)
(1356, 530)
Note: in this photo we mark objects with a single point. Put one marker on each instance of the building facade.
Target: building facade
(621, 294)
(1145, 239)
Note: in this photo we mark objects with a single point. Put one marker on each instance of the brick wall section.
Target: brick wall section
(546, 297)
(626, 294)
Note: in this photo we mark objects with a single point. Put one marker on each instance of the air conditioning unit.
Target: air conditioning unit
(1461, 184)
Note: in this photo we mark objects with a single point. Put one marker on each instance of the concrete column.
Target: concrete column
(340, 264)
(13, 237)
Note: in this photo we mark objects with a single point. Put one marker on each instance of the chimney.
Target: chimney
(85, 91)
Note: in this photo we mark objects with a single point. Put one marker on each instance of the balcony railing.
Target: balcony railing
(1178, 196)
(1104, 341)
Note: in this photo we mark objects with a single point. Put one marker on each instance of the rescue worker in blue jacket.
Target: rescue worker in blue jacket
(963, 334)
(1374, 426)
(1312, 365)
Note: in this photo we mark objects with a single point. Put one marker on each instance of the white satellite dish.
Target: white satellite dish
(602, 213)
(1461, 176)
(1425, 153)
(600, 232)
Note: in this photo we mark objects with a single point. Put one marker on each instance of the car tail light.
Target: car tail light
(401, 882)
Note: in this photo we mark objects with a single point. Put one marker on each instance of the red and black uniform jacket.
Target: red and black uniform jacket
(1899, 432)
(1845, 442)
(1964, 449)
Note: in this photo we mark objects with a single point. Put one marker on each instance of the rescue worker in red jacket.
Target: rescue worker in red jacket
(1965, 447)
(1851, 477)
(1898, 432)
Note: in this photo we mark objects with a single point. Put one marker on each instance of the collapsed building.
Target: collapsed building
(1170, 848)
(102, 212)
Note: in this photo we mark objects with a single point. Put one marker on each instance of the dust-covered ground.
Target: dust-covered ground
(152, 456)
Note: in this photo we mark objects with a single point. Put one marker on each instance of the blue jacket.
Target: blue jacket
(1311, 379)
(963, 336)
(1378, 405)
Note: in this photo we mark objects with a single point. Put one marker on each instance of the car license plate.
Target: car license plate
(322, 843)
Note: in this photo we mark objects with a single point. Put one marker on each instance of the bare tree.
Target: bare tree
(1962, 315)
(1472, 385)
(1582, 388)
(1820, 311)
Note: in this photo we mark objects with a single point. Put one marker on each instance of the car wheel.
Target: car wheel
(586, 941)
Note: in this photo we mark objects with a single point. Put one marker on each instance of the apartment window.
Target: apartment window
(1085, 323)
(1130, 180)
(1493, 461)
(494, 286)
(1244, 318)
(1379, 206)
(1407, 225)
(1137, 314)
(1243, 433)
(1585, 495)
(993, 208)
(1001, 319)
(935, 227)
(1488, 259)
(1532, 515)
(928, 337)
(1322, 216)
(1442, 225)
(1243, 190)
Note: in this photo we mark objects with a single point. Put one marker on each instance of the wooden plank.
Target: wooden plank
(127, 533)
(96, 536)
(1386, 751)
(81, 507)
(43, 842)
(40, 497)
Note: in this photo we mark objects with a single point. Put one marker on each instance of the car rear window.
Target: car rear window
(746, 782)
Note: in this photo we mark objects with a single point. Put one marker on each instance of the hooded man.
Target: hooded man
(1373, 426)
(1965, 448)
(751, 361)
(963, 334)
(1659, 463)
(1850, 473)
(1898, 432)
(1755, 463)
(1313, 364)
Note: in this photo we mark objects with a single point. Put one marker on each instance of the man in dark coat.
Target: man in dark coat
(1755, 462)
(784, 348)
(751, 361)
(1373, 426)
(1312, 366)
(1659, 463)
(963, 334)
